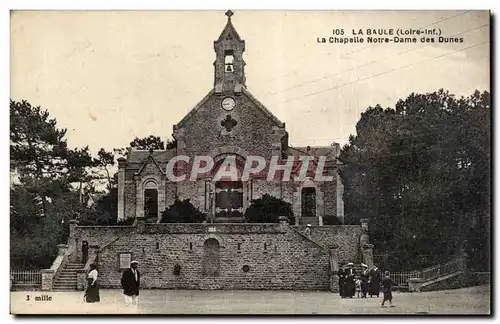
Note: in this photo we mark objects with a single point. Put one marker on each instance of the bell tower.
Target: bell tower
(229, 64)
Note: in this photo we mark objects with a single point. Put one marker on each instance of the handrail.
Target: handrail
(432, 272)
(308, 238)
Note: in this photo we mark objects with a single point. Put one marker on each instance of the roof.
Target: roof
(138, 157)
(228, 29)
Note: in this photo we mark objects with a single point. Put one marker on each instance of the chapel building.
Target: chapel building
(229, 122)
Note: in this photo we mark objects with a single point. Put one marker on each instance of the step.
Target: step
(65, 281)
(229, 220)
(64, 289)
(309, 220)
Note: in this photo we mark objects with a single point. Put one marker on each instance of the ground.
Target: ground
(475, 300)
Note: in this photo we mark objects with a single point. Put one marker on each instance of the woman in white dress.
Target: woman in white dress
(92, 292)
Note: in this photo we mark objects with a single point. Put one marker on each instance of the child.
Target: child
(387, 284)
(358, 286)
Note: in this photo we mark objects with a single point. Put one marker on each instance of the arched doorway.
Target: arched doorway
(308, 202)
(151, 201)
(229, 189)
(229, 200)
(211, 258)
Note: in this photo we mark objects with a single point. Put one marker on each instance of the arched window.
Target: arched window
(211, 258)
(151, 201)
(309, 202)
(228, 61)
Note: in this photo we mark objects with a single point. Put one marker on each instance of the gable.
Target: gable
(229, 33)
(246, 93)
(150, 166)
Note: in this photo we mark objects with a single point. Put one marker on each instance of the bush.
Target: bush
(331, 220)
(268, 209)
(182, 212)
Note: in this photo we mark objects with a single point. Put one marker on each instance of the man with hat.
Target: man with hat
(131, 279)
(364, 276)
(349, 285)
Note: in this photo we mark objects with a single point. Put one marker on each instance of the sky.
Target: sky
(109, 76)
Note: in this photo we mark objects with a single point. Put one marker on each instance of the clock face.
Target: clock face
(228, 103)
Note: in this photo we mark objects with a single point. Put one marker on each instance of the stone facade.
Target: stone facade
(240, 129)
(278, 256)
(225, 252)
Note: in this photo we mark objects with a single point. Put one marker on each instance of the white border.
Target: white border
(179, 5)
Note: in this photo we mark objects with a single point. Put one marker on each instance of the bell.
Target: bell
(229, 68)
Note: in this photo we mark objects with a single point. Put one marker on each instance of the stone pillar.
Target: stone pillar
(414, 284)
(179, 136)
(63, 249)
(121, 189)
(81, 280)
(140, 224)
(277, 135)
(47, 279)
(368, 254)
(364, 238)
(334, 268)
(340, 195)
(139, 198)
(72, 247)
(296, 202)
(161, 199)
(320, 203)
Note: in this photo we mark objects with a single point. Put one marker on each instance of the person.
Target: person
(131, 280)
(349, 285)
(364, 277)
(307, 231)
(341, 274)
(358, 287)
(387, 284)
(92, 291)
(374, 284)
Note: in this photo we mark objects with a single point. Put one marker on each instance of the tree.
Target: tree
(34, 239)
(39, 153)
(182, 211)
(419, 172)
(152, 142)
(44, 199)
(37, 146)
(105, 160)
(268, 209)
(148, 143)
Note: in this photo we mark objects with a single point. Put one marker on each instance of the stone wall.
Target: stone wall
(276, 255)
(345, 236)
(130, 196)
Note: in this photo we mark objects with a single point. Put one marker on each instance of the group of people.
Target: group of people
(368, 282)
(130, 283)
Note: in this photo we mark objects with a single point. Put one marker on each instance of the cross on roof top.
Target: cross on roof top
(229, 13)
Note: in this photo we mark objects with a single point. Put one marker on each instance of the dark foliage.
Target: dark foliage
(268, 209)
(182, 212)
(421, 173)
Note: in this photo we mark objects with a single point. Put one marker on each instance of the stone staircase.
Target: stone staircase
(309, 220)
(67, 279)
